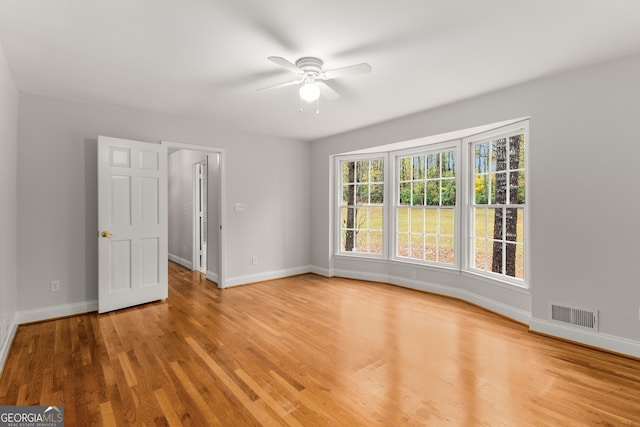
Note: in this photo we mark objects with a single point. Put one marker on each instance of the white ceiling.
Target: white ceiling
(205, 59)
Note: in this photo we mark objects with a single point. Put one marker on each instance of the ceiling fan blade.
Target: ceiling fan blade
(279, 85)
(327, 91)
(347, 71)
(278, 60)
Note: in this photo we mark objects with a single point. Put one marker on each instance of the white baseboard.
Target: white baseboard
(267, 275)
(181, 261)
(37, 314)
(321, 271)
(211, 276)
(6, 345)
(594, 339)
(515, 313)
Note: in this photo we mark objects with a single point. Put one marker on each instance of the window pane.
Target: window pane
(520, 261)
(431, 221)
(491, 214)
(480, 254)
(516, 187)
(433, 165)
(375, 242)
(499, 155)
(495, 223)
(403, 220)
(430, 249)
(348, 172)
(511, 224)
(496, 249)
(348, 194)
(417, 221)
(446, 221)
(347, 243)
(433, 193)
(417, 249)
(481, 158)
(403, 245)
(418, 167)
(516, 151)
(362, 171)
(405, 193)
(499, 188)
(362, 241)
(376, 173)
(346, 215)
(480, 229)
(362, 196)
(377, 193)
(449, 164)
(375, 218)
(482, 189)
(417, 197)
(405, 169)
(512, 262)
(449, 192)
(445, 250)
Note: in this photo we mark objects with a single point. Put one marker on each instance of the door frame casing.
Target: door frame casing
(221, 280)
(197, 227)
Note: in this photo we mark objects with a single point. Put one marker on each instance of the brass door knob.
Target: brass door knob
(106, 234)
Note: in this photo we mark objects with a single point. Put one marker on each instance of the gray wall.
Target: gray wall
(584, 195)
(57, 203)
(8, 205)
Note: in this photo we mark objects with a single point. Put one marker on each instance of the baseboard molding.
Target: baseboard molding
(8, 340)
(46, 313)
(181, 261)
(321, 271)
(592, 339)
(511, 312)
(267, 275)
(211, 276)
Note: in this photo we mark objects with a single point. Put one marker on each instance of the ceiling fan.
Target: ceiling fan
(311, 77)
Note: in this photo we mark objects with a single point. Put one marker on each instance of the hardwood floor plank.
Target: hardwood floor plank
(310, 351)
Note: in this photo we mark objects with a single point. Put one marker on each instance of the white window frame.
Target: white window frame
(463, 230)
(395, 205)
(338, 205)
(468, 216)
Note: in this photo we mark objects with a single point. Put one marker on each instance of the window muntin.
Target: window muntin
(361, 206)
(497, 205)
(425, 206)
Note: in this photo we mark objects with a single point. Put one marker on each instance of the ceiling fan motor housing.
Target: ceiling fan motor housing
(310, 65)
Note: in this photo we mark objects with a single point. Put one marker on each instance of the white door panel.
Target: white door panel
(132, 221)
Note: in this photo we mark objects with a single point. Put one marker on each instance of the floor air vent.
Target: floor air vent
(582, 317)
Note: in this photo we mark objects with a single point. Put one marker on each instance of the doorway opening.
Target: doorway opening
(195, 184)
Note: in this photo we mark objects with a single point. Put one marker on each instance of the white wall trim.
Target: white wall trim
(515, 313)
(46, 313)
(326, 272)
(8, 341)
(594, 339)
(267, 275)
(181, 261)
(212, 276)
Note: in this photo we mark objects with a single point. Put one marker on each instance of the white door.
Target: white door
(132, 222)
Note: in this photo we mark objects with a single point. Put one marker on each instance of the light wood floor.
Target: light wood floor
(309, 351)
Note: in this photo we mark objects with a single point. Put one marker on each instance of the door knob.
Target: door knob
(106, 234)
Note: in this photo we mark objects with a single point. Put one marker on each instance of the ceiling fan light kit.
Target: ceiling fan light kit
(312, 78)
